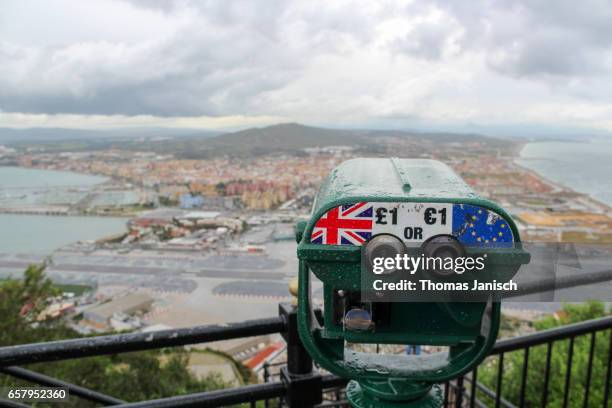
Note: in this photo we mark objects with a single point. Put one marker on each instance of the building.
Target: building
(100, 316)
(222, 203)
(199, 215)
(188, 201)
(160, 217)
(56, 310)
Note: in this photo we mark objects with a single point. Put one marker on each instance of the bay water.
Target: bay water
(42, 234)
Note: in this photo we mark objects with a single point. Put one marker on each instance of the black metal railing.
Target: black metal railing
(459, 395)
(300, 385)
(121, 343)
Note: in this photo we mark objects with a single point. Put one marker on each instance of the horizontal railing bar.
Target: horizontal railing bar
(557, 333)
(333, 381)
(12, 404)
(230, 396)
(73, 389)
(218, 398)
(328, 404)
(560, 282)
(120, 343)
(328, 381)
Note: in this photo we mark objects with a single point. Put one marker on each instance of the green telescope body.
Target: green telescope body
(411, 203)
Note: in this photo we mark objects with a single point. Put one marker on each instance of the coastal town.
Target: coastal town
(211, 240)
(267, 184)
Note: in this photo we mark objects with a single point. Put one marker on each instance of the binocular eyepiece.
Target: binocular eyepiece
(388, 246)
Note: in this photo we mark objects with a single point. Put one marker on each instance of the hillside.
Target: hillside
(286, 138)
(293, 137)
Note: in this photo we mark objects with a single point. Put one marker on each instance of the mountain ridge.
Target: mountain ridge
(281, 138)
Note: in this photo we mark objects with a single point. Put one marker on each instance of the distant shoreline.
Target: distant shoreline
(52, 210)
(533, 172)
(17, 166)
(560, 186)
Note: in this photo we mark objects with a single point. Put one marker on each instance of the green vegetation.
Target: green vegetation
(78, 290)
(513, 326)
(167, 202)
(130, 376)
(513, 364)
(246, 375)
(58, 288)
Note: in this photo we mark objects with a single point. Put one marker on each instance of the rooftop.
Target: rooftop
(124, 304)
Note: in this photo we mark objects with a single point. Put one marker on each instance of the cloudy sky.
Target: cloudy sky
(442, 65)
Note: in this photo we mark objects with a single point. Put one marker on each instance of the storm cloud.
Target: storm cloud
(442, 61)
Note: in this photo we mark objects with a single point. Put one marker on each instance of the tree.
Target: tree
(131, 376)
(513, 364)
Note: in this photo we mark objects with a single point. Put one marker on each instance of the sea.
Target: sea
(42, 234)
(584, 166)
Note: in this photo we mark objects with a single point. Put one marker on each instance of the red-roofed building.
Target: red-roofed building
(256, 362)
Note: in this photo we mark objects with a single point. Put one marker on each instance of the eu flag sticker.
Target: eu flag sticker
(476, 225)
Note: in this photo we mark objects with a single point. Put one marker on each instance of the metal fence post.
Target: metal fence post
(304, 386)
(459, 393)
(266, 378)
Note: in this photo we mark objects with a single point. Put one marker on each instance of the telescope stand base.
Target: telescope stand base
(360, 398)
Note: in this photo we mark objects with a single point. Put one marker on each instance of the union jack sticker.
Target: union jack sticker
(345, 225)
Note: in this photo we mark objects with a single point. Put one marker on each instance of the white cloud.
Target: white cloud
(190, 63)
(74, 121)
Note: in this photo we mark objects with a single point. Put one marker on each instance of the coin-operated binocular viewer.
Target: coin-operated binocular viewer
(369, 208)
